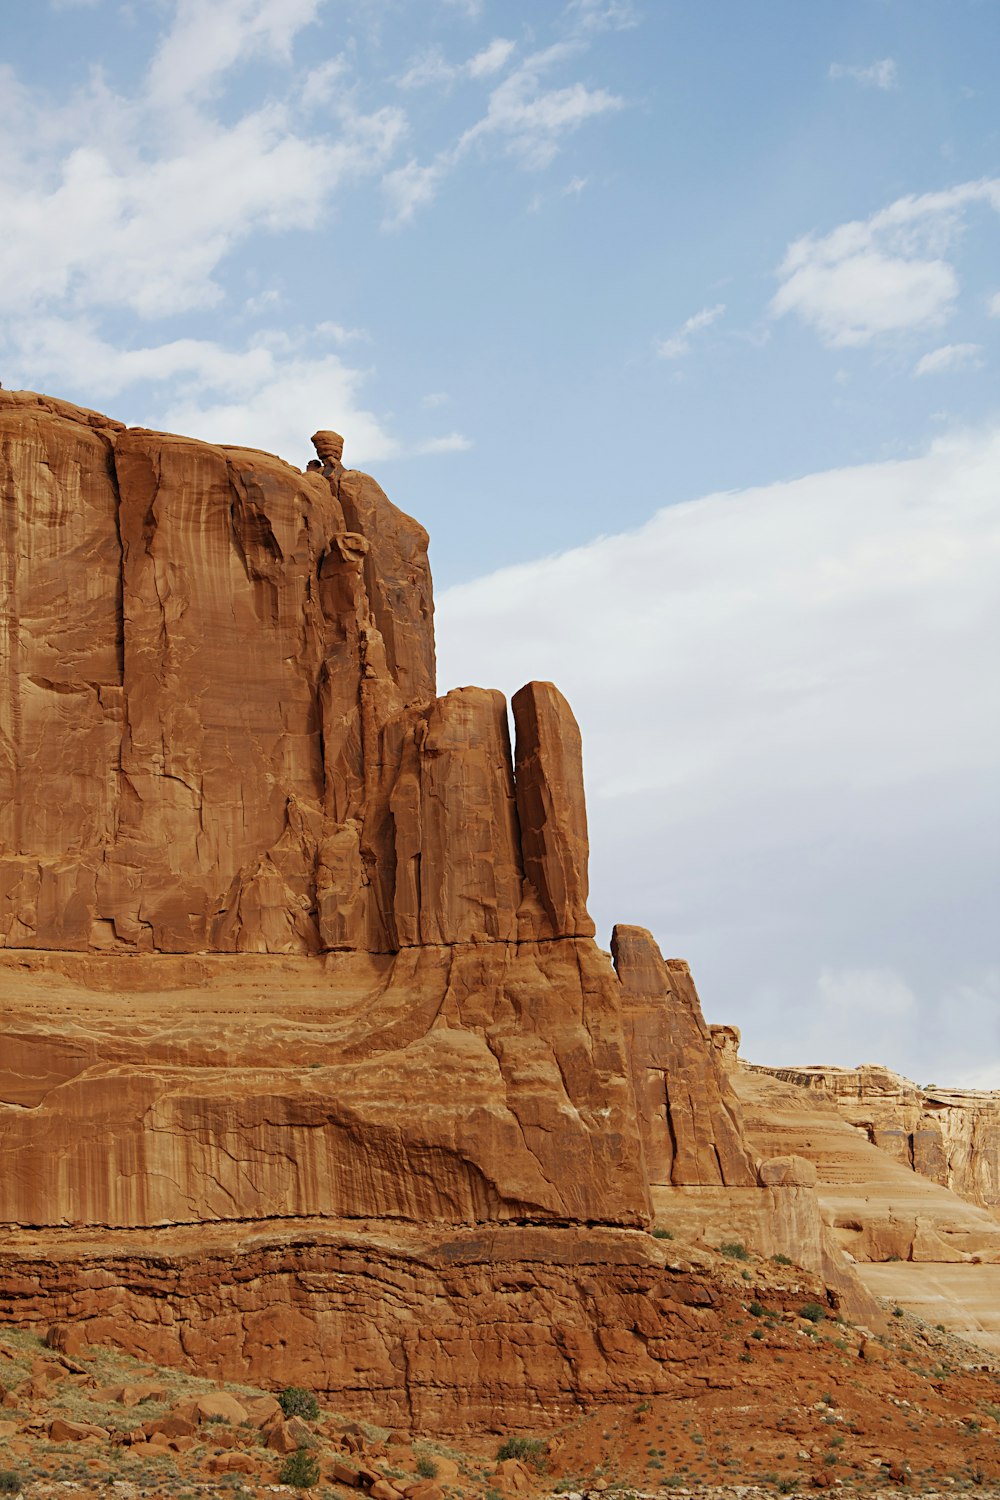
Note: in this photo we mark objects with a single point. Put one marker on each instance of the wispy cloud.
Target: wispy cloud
(409, 188)
(679, 343)
(452, 442)
(949, 357)
(158, 187)
(878, 75)
(881, 276)
(531, 120)
(433, 68)
(524, 118)
(603, 15)
(209, 37)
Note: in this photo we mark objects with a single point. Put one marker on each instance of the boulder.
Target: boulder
(220, 1404)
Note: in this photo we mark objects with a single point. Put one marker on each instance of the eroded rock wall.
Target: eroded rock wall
(218, 723)
(505, 1330)
(951, 1136)
(689, 1115)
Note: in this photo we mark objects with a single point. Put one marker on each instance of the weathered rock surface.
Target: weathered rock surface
(310, 1067)
(460, 1084)
(689, 1115)
(951, 1136)
(438, 1334)
(906, 1233)
(218, 724)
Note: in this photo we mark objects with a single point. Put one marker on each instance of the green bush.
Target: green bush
(527, 1450)
(659, 1233)
(812, 1312)
(782, 1260)
(300, 1470)
(295, 1402)
(10, 1483)
(756, 1309)
(426, 1467)
(897, 1312)
(735, 1249)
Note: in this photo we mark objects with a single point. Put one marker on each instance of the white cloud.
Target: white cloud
(408, 188)
(884, 275)
(492, 59)
(790, 736)
(994, 305)
(531, 120)
(526, 119)
(880, 75)
(432, 67)
(603, 15)
(949, 357)
(679, 343)
(270, 394)
(209, 37)
(106, 205)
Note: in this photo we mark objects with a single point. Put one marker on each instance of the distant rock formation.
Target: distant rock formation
(951, 1136)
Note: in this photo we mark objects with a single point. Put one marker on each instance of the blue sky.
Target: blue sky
(563, 273)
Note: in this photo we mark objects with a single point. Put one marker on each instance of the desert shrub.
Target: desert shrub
(786, 1486)
(897, 1312)
(300, 1470)
(659, 1233)
(527, 1450)
(812, 1312)
(295, 1402)
(756, 1309)
(10, 1482)
(426, 1467)
(735, 1249)
(782, 1260)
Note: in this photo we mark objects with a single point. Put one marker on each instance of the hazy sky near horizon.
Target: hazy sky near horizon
(678, 326)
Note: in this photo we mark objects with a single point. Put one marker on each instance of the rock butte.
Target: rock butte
(311, 1070)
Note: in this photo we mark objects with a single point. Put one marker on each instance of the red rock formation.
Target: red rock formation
(689, 1115)
(287, 939)
(217, 718)
(504, 1329)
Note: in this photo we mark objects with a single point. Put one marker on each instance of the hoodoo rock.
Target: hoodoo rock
(307, 1046)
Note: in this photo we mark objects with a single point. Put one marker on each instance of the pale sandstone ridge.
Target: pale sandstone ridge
(912, 1239)
(218, 723)
(951, 1136)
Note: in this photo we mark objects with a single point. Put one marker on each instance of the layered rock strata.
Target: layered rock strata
(951, 1136)
(306, 1044)
(498, 1330)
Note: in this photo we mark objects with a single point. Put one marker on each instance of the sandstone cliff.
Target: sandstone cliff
(297, 969)
(951, 1136)
(218, 727)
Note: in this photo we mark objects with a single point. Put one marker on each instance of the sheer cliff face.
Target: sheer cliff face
(218, 728)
